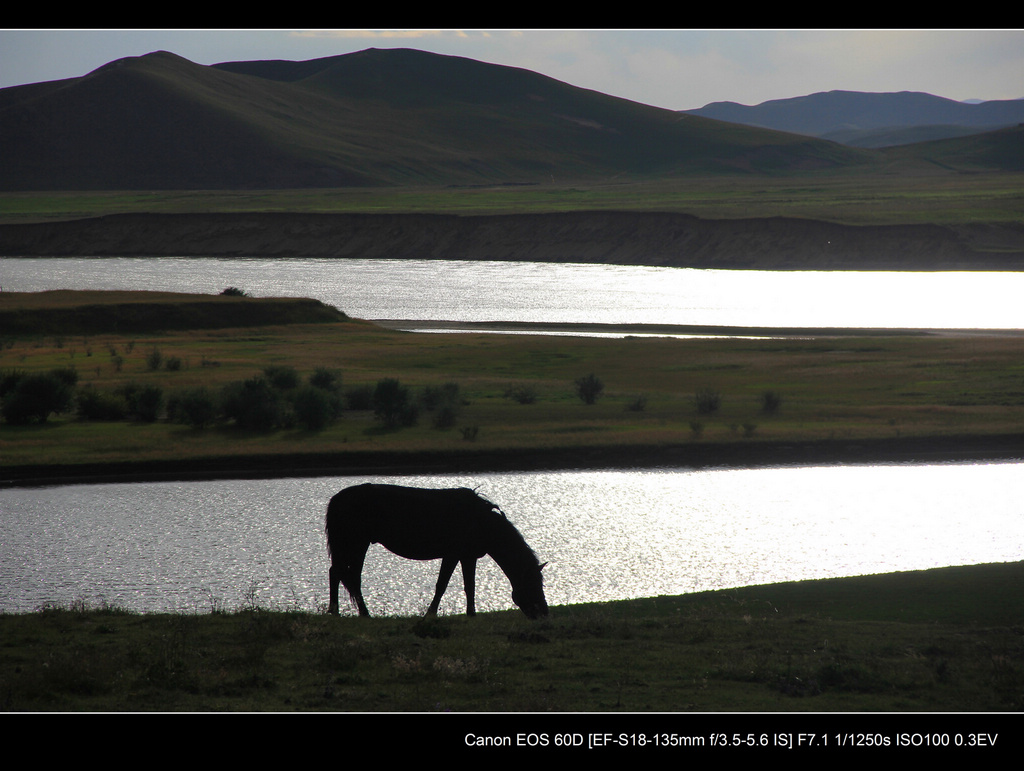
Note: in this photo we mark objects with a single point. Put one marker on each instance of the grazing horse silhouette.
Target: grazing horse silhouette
(455, 525)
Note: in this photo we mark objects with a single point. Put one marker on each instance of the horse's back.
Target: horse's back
(370, 496)
(419, 523)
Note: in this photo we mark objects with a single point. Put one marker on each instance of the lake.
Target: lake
(607, 535)
(539, 292)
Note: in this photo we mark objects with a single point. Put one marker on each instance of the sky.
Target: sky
(674, 69)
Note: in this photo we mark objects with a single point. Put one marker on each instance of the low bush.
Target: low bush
(145, 402)
(283, 378)
(707, 402)
(315, 408)
(278, 399)
(66, 375)
(521, 393)
(154, 359)
(252, 404)
(770, 402)
(196, 407)
(32, 398)
(639, 404)
(327, 379)
(588, 388)
(392, 405)
(97, 405)
(443, 402)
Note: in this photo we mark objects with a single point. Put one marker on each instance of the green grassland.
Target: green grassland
(946, 640)
(663, 398)
(876, 198)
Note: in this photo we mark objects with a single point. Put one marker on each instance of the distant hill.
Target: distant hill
(871, 119)
(1003, 149)
(376, 117)
(407, 117)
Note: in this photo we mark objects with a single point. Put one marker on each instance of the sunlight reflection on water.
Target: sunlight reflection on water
(606, 534)
(572, 293)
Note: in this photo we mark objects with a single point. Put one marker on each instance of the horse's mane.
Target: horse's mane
(509, 533)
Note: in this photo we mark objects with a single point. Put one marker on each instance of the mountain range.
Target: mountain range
(393, 117)
(872, 120)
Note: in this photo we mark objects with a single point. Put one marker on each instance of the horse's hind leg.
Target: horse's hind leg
(348, 570)
(447, 568)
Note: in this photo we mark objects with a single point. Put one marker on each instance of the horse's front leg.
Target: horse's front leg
(335, 578)
(469, 581)
(447, 568)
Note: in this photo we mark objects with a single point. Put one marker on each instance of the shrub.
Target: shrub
(639, 404)
(281, 377)
(9, 379)
(154, 359)
(392, 405)
(233, 291)
(95, 405)
(33, 398)
(589, 388)
(145, 402)
(444, 402)
(66, 375)
(707, 402)
(770, 402)
(196, 407)
(315, 408)
(436, 397)
(327, 379)
(252, 404)
(521, 393)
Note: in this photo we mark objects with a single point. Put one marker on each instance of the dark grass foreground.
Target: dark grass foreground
(945, 640)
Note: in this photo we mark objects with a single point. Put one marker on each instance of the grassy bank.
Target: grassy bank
(937, 640)
(856, 199)
(662, 399)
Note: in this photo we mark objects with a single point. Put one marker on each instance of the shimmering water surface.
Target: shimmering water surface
(536, 292)
(606, 535)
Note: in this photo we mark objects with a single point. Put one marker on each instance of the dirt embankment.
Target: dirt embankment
(625, 238)
(64, 312)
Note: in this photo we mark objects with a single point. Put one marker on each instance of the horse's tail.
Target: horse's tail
(332, 523)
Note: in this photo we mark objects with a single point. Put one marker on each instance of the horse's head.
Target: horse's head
(528, 594)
